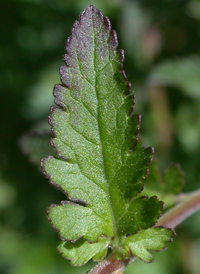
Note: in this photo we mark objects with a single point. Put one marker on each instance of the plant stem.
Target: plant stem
(189, 204)
(111, 265)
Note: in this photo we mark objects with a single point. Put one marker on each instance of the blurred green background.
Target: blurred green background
(161, 40)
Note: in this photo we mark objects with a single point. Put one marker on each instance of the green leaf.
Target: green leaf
(82, 251)
(182, 73)
(35, 144)
(99, 166)
(153, 239)
(168, 185)
(173, 179)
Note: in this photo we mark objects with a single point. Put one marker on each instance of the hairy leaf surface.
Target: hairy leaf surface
(154, 239)
(99, 166)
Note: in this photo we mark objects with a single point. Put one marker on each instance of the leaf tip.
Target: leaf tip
(171, 231)
(48, 217)
(56, 150)
(52, 109)
(151, 149)
(107, 23)
(42, 164)
(113, 41)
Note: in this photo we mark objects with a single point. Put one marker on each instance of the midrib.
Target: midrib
(100, 137)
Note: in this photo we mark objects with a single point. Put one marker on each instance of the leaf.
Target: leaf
(168, 185)
(150, 239)
(188, 128)
(182, 73)
(82, 251)
(99, 166)
(35, 144)
(173, 179)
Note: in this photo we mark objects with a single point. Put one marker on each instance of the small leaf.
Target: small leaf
(82, 251)
(99, 166)
(153, 239)
(167, 185)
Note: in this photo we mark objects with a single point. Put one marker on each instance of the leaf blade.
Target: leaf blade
(99, 166)
(81, 252)
(153, 239)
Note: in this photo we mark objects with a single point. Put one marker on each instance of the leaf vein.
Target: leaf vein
(81, 103)
(81, 73)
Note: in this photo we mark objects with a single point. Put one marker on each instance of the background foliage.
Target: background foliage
(161, 40)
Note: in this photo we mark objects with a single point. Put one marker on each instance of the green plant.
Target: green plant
(100, 164)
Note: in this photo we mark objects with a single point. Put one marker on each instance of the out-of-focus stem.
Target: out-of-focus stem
(190, 204)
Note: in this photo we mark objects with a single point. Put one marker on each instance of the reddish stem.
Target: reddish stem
(190, 204)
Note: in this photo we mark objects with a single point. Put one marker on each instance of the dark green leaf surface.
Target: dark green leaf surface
(99, 166)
